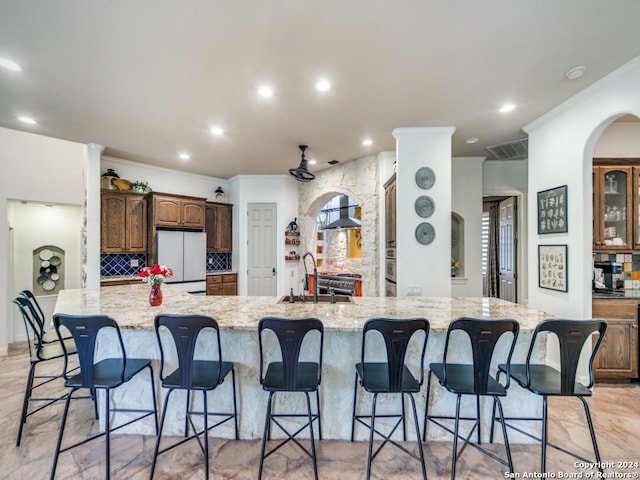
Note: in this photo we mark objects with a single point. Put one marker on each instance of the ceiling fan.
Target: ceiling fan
(302, 173)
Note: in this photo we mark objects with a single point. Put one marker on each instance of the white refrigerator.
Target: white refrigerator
(186, 254)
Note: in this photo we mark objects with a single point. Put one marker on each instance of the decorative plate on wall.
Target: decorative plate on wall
(424, 206)
(425, 233)
(425, 178)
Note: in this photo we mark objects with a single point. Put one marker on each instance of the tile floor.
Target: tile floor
(615, 409)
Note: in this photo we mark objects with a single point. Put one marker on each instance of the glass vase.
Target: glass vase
(155, 296)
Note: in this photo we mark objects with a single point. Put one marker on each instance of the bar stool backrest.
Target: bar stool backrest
(31, 326)
(37, 310)
(185, 330)
(85, 329)
(396, 334)
(572, 335)
(290, 334)
(483, 334)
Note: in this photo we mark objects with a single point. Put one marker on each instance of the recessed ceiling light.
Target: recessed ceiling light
(185, 156)
(576, 72)
(367, 141)
(265, 92)
(472, 140)
(10, 65)
(216, 131)
(507, 108)
(323, 85)
(27, 120)
(312, 162)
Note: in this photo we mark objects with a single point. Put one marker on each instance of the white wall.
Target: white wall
(619, 140)
(466, 201)
(281, 190)
(40, 169)
(35, 226)
(166, 180)
(561, 147)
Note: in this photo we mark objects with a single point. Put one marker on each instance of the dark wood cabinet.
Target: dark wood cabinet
(123, 223)
(222, 284)
(390, 211)
(179, 212)
(613, 207)
(618, 355)
(218, 225)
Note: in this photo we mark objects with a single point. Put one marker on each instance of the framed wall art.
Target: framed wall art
(552, 267)
(552, 210)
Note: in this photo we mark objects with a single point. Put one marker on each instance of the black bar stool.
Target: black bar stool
(291, 375)
(392, 376)
(39, 351)
(203, 374)
(473, 379)
(545, 380)
(106, 375)
(48, 336)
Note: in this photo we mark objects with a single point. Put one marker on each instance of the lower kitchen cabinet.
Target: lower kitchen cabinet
(617, 358)
(222, 284)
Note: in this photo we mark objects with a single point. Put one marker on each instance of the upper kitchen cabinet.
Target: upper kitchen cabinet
(613, 206)
(178, 211)
(218, 226)
(124, 223)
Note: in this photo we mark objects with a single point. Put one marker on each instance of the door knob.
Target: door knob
(273, 271)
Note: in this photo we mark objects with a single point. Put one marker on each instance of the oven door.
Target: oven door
(390, 289)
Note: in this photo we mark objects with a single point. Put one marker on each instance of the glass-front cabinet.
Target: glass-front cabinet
(613, 208)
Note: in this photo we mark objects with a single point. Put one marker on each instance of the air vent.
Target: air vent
(516, 150)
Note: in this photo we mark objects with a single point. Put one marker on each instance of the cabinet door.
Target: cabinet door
(166, 211)
(210, 227)
(136, 224)
(615, 208)
(113, 215)
(390, 214)
(224, 233)
(192, 213)
(636, 207)
(618, 354)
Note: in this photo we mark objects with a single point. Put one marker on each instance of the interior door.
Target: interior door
(507, 250)
(262, 250)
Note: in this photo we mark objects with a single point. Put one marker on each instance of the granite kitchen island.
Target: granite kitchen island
(238, 318)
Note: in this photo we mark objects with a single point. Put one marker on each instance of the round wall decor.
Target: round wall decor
(424, 206)
(425, 233)
(425, 178)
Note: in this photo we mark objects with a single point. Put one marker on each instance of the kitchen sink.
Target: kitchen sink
(321, 299)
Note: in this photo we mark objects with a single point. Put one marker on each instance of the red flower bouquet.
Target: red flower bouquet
(156, 274)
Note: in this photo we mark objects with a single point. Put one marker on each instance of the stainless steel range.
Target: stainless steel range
(342, 283)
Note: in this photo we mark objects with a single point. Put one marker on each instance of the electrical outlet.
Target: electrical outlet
(291, 273)
(414, 291)
(210, 261)
(134, 262)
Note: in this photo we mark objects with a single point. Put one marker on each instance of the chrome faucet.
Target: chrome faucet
(315, 274)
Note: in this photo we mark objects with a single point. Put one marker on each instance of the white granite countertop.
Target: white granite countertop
(129, 306)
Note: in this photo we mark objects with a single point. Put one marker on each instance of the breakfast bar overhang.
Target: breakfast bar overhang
(238, 318)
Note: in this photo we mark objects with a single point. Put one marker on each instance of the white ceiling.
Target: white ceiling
(148, 78)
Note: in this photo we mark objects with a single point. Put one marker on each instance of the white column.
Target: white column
(423, 270)
(91, 255)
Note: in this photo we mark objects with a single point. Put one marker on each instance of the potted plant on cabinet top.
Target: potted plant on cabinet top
(140, 186)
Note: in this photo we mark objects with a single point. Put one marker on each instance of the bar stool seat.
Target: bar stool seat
(306, 378)
(377, 375)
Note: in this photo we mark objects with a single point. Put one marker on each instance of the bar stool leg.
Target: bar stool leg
(417, 425)
(206, 435)
(404, 424)
(267, 422)
(504, 433)
(25, 402)
(157, 448)
(373, 421)
(353, 417)
(426, 407)
(478, 416)
(454, 457)
(592, 432)
(319, 417)
(107, 428)
(62, 425)
(313, 443)
(153, 396)
(235, 407)
(543, 457)
(186, 417)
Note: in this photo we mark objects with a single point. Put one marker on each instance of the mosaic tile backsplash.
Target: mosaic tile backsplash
(630, 267)
(120, 264)
(218, 261)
